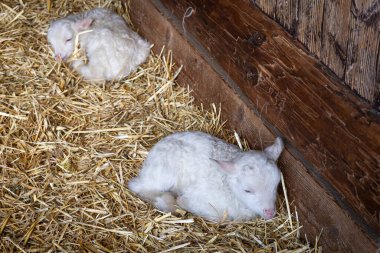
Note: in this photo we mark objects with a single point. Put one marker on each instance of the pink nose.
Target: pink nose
(57, 57)
(268, 213)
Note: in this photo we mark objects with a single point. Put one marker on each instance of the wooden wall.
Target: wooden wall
(344, 35)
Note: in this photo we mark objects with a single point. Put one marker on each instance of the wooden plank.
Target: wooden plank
(363, 47)
(316, 207)
(287, 14)
(377, 93)
(344, 35)
(318, 115)
(310, 19)
(267, 6)
(284, 12)
(335, 34)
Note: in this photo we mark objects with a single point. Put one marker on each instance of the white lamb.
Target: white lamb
(113, 50)
(209, 177)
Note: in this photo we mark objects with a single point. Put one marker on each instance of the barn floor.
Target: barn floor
(68, 147)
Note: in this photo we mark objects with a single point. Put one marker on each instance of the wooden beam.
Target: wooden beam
(344, 35)
(316, 206)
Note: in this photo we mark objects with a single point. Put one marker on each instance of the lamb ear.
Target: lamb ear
(225, 166)
(82, 24)
(274, 151)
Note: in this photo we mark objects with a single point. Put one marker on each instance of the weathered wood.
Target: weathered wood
(283, 11)
(309, 30)
(336, 24)
(363, 47)
(344, 35)
(210, 83)
(267, 6)
(286, 14)
(377, 97)
(321, 118)
(308, 15)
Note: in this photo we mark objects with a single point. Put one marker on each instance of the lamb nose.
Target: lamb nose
(57, 57)
(269, 213)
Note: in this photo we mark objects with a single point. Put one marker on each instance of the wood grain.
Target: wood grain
(336, 24)
(211, 84)
(309, 32)
(344, 35)
(286, 14)
(363, 48)
(303, 19)
(267, 6)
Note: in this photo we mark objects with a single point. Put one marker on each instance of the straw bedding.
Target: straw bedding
(68, 147)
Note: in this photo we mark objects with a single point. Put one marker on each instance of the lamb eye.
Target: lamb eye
(248, 191)
(68, 40)
(247, 168)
